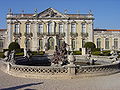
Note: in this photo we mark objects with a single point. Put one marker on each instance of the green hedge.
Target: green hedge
(36, 53)
(104, 53)
(2, 55)
(97, 53)
(77, 52)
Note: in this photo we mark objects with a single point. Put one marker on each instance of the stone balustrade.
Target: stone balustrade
(52, 71)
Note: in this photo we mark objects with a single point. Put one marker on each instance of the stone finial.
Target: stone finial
(65, 11)
(35, 10)
(9, 11)
(90, 12)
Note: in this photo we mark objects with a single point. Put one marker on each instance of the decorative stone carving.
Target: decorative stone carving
(60, 57)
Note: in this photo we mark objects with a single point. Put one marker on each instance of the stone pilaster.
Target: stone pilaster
(9, 29)
(34, 39)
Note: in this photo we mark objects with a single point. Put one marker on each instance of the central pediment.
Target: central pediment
(51, 13)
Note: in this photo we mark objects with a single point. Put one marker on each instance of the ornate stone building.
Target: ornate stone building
(49, 28)
(2, 39)
(107, 39)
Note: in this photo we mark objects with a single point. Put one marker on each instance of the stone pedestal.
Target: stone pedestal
(25, 52)
(71, 65)
(83, 51)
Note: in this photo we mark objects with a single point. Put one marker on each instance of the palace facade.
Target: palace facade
(107, 39)
(44, 30)
(2, 39)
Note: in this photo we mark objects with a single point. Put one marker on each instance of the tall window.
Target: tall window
(73, 44)
(98, 43)
(116, 43)
(28, 44)
(60, 28)
(27, 28)
(1, 43)
(16, 28)
(73, 27)
(83, 28)
(40, 44)
(107, 43)
(49, 27)
(40, 28)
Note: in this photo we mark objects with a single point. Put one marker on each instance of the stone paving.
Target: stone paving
(111, 82)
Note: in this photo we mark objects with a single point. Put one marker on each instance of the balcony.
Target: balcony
(84, 35)
(73, 34)
(17, 35)
(28, 35)
(40, 34)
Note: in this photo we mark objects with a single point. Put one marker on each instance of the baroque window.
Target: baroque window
(73, 44)
(116, 43)
(17, 30)
(60, 28)
(98, 43)
(73, 27)
(49, 27)
(28, 44)
(40, 44)
(83, 28)
(107, 43)
(40, 28)
(27, 28)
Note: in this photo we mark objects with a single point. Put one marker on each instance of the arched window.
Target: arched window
(40, 44)
(60, 28)
(107, 43)
(28, 28)
(73, 27)
(98, 43)
(17, 28)
(1, 43)
(49, 27)
(116, 43)
(40, 28)
(73, 44)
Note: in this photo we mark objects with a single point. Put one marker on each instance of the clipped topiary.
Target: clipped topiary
(13, 46)
(89, 45)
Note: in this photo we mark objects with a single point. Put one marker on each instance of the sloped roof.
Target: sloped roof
(106, 29)
(3, 29)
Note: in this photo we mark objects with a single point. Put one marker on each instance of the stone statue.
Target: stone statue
(7, 53)
(59, 56)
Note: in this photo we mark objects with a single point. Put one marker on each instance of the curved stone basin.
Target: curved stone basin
(34, 61)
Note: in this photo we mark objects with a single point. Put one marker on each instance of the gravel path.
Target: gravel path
(111, 82)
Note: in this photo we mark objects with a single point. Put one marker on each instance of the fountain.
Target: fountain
(63, 64)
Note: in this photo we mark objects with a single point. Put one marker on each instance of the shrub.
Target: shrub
(89, 45)
(2, 55)
(77, 52)
(106, 53)
(38, 53)
(13, 46)
(20, 54)
(96, 49)
(98, 53)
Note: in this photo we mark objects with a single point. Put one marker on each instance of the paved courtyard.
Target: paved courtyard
(111, 82)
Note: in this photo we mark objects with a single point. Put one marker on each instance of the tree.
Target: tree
(13, 46)
(89, 45)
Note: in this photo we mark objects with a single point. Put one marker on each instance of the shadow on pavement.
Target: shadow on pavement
(22, 86)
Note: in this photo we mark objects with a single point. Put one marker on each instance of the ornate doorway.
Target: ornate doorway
(51, 43)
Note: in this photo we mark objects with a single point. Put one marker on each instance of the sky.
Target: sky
(106, 12)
